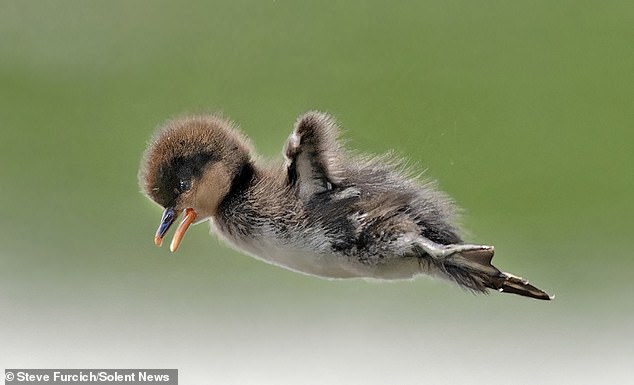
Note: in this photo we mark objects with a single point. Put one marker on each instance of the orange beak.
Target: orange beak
(169, 216)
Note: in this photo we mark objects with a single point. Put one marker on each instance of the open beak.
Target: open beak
(169, 216)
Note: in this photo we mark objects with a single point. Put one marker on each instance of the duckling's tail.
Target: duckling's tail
(473, 270)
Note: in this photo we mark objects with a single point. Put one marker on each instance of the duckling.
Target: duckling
(323, 211)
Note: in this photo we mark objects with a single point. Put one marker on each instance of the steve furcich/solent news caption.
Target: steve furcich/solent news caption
(91, 376)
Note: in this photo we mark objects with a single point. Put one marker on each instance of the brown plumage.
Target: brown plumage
(323, 212)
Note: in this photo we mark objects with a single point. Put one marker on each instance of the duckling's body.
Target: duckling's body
(351, 230)
(324, 212)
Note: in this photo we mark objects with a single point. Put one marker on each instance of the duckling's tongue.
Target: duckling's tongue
(189, 218)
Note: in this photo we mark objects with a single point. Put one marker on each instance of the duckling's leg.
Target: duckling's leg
(470, 266)
(437, 250)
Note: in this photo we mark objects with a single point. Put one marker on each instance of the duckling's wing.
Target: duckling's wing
(313, 156)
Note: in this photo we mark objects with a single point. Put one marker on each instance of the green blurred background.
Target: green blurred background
(522, 111)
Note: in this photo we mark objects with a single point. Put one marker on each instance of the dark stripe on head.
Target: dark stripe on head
(168, 187)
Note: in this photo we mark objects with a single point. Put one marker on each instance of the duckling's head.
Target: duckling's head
(189, 166)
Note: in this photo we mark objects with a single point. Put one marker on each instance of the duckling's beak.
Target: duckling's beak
(169, 216)
(166, 222)
(190, 217)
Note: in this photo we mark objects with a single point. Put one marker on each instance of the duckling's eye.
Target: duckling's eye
(184, 185)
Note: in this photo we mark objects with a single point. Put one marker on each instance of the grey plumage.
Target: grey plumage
(330, 213)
